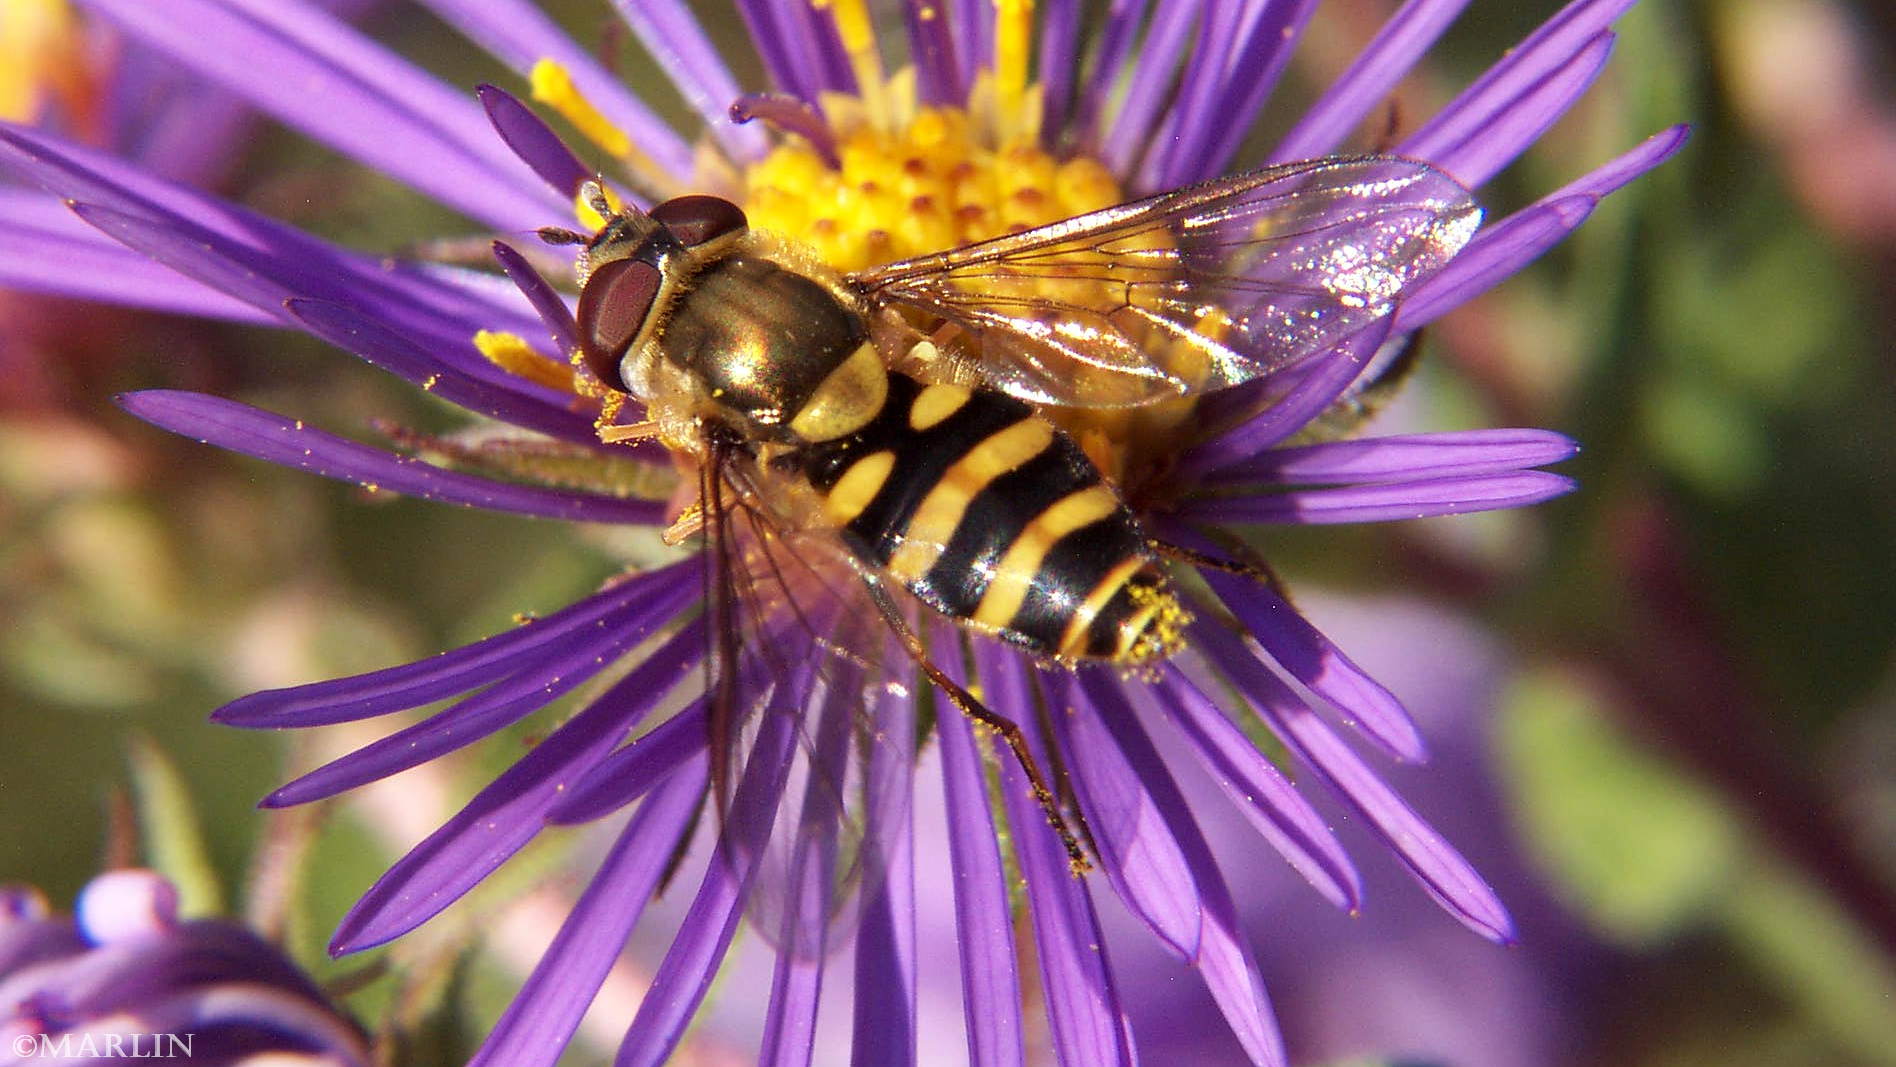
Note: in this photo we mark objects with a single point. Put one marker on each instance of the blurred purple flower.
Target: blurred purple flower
(1157, 100)
(1396, 981)
(125, 979)
(66, 71)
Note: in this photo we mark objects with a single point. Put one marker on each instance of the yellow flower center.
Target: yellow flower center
(931, 184)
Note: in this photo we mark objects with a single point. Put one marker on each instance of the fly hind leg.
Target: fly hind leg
(1008, 730)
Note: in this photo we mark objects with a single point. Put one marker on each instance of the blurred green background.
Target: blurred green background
(1698, 737)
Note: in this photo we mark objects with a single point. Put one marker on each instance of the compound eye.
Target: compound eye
(698, 218)
(612, 307)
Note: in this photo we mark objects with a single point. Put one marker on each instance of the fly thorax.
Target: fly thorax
(763, 343)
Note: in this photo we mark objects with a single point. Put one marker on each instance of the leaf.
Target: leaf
(173, 837)
(1639, 849)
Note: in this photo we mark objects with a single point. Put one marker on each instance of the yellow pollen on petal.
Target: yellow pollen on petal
(511, 353)
(1013, 42)
(552, 84)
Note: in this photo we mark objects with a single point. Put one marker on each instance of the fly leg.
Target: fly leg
(1252, 569)
(981, 713)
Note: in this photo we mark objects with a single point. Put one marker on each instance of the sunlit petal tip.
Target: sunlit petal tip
(534, 141)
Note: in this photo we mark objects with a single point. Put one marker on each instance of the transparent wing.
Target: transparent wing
(1193, 290)
(796, 680)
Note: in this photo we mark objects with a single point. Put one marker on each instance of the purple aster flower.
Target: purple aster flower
(860, 166)
(124, 978)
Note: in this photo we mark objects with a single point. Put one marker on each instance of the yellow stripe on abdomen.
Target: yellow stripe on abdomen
(1018, 569)
(858, 486)
(934, 521)
(936, 403)
(1075, 641)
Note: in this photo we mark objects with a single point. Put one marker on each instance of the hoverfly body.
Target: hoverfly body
(903, 419)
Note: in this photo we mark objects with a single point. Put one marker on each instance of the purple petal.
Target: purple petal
(1136, 125)
(493, 709)
(803, 52)
(1088, 1025)
(1280, 813)
(1315, 385)
(543, 1017)
(258, 259)
(426, 681)
(803, 858)
(503, 817)
(684, 976)
(1138, 853)
(791, 114)
(673, 37)
(126, 975)
(290, 443)
(44, 248)
(526, 406)
(775, 44)
(170, 121)
(546, 300)
(1519, 122)
(1403, 458)
(831, 57)
(799, 47)
(1624, 168)
(796, 988)
(519, 34)
(265, 264)
(1258, 62)
(543, 296)
(1224, 957)
(973, 26)
(1554, 45)
(1113, 43)
(885, 980)
(1058, 23)
(1312, 659)
(1384, 503)
(1403, 40)
(534, 141)
(634, 770)
(187, 251)
(984, 935)
(325, 78)
(793, 902)
(933, 47)
(74, 172)
(1442, 871)
(1200, 83)
(1507, 246)
(1496, 253)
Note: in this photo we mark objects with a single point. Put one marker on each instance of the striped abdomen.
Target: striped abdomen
(991, 515)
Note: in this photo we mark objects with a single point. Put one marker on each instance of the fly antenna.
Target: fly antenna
(594, 193)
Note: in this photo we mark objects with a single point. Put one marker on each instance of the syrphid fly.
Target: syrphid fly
(883, 452)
